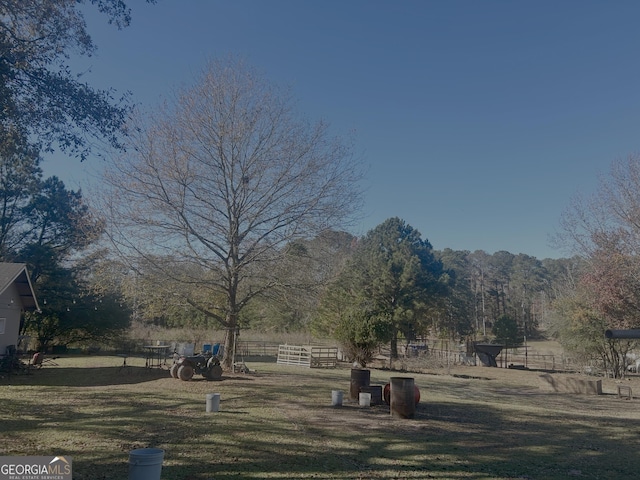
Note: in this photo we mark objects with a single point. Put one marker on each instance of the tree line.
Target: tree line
(228, 208)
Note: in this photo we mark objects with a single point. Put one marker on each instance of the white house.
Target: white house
(16, 295)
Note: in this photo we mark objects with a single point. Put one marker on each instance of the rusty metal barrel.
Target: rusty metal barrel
(403, 397)
(359, 378)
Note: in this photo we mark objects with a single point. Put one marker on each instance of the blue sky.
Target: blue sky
(478, 120)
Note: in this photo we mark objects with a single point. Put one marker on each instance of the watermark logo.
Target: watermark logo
(35, 468)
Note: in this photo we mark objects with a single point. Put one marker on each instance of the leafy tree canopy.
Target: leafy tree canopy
(38, 90)
(43, 224)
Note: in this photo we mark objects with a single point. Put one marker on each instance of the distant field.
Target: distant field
(545, 347)
(472, 423)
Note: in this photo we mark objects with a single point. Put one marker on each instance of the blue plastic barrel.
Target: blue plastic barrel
(206, 347)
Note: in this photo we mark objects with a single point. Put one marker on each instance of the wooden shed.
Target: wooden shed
(16, 296)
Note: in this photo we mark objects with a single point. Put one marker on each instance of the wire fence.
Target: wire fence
(508, 358)
(431, 356)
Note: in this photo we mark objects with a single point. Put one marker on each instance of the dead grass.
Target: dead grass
(472, 423)
(143, 333)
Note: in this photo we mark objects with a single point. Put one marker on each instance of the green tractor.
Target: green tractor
(205, 364)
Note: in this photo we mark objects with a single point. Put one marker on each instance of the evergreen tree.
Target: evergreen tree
(43, 224)
(506, 331)
(393, 278)
(457, 319)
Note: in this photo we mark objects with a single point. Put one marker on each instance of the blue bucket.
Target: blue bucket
(206, 347)
(145, 463)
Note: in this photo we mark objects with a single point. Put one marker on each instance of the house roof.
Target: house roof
(16, 273)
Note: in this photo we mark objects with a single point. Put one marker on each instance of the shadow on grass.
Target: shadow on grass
(86, 376)
(444, 441)
(281, 425)
(103, 376)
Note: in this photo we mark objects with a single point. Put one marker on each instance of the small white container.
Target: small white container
(365, 399)
(336, 398)
(213, 402)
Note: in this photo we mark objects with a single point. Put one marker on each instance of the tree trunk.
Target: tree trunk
(230, 339)
(394, 344)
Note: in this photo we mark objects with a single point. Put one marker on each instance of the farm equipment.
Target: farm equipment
(205, 364)
(487, 352)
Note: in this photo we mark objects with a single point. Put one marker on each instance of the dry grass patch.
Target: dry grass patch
(472, 423)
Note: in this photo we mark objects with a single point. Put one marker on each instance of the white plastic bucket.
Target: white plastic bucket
(213, 402)
(365, 399)
(145, 463)
(336, 398)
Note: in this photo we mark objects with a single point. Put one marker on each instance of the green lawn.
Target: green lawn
(277, 423)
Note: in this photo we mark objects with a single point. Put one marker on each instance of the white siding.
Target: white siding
(10, 311)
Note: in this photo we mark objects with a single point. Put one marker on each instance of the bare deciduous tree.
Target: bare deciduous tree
(218, 181)
(608, 218)
(605, 230)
